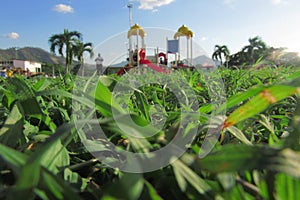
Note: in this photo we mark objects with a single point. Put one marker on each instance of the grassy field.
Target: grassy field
(256, 111)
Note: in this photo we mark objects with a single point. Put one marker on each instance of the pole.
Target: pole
(129, 51)
(130, 5)
(178, 59)
(16, 52)
(137, 47)
(167, 50)
(187, 51)
(157, 58)
(191, 51)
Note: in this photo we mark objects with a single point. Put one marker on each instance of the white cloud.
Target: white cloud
(278, 2)
(12, 35)
(204, 38)
(151, 4)
(63, 8)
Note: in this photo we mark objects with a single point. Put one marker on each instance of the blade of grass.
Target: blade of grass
(259, 103)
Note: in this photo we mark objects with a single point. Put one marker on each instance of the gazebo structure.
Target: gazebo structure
(184, 31)
(137, 50)
(137, 31)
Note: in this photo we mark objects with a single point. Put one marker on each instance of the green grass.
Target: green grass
(257, 156)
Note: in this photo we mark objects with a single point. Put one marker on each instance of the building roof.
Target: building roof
(136, 30)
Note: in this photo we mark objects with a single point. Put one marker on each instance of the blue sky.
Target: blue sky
(224, 22)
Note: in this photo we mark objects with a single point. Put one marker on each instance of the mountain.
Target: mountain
(121, 64)
(204, 60)
(32, 54)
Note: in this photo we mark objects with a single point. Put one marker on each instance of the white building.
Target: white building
(32, 66)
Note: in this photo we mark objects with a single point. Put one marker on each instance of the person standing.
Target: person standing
(3, 72)
(99, 64)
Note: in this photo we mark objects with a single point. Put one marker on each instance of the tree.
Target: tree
(280, 56)
(64, 42)
(237, 59)
(79, 49)
(255, 50)
(220, 53)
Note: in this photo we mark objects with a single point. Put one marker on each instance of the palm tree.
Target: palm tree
(79, 50)
(256, 49)
(221, 52)
(217, 54)
(64, 41)
(237, 59)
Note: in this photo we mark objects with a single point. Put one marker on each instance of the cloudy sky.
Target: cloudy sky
(224, 22)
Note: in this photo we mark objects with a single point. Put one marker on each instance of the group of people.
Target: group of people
(9, 72)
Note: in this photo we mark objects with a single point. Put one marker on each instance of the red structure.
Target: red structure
(137, 51)
(144, 61)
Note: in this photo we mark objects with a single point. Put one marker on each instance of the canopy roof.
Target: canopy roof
(184, 31)
(136, 30)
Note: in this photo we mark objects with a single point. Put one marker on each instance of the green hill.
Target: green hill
(32, 54)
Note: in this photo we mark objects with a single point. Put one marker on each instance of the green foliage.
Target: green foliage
(256, 55)
(69, 45)
(256, 157)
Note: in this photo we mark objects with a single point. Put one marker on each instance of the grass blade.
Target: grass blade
(259, 103)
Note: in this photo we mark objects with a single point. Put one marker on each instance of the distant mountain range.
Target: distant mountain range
(32, 54)
(121, 64)
(204, 60)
